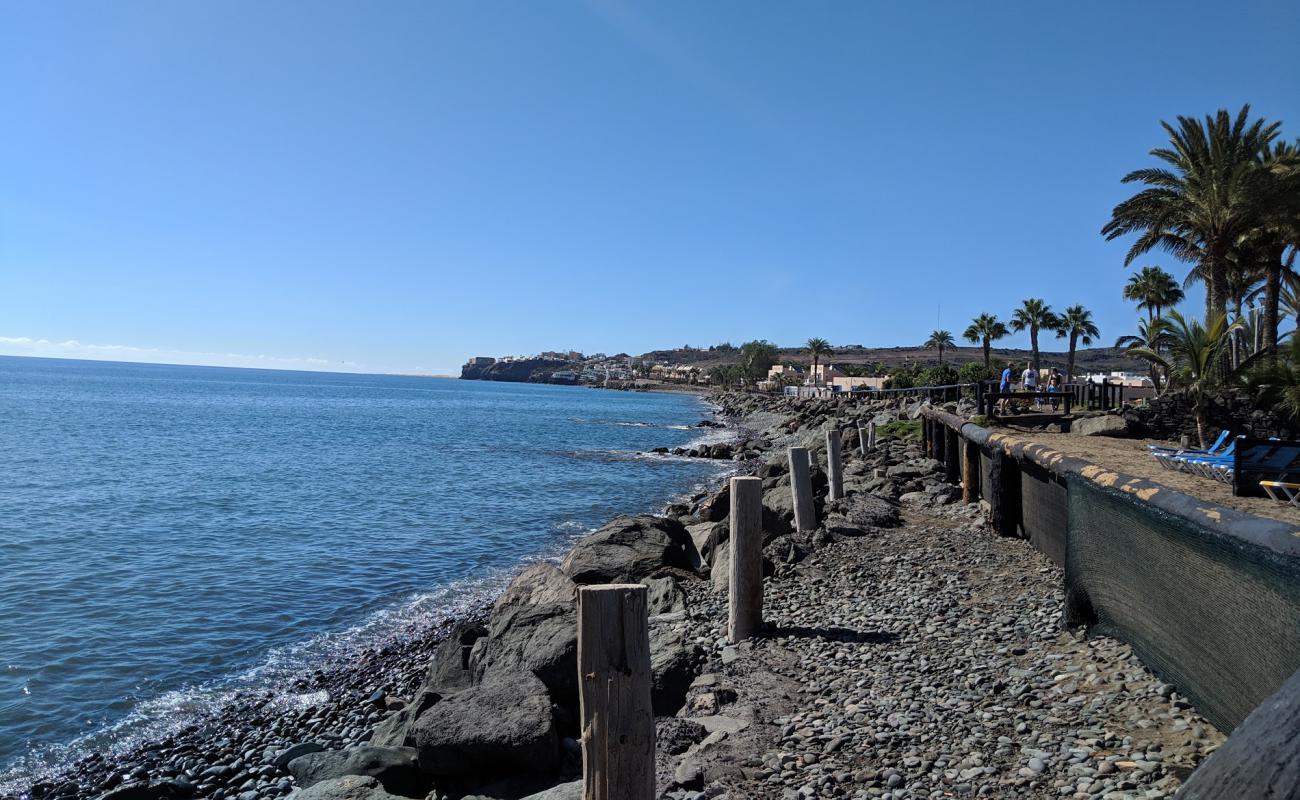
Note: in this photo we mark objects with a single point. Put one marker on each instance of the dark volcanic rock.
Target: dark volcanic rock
(628, 549)
(449, 669)
(350, 787)
(395, 731)
(539, 638)
(674, 657)
(504, 725)
(862, 510)
(394, 767)
(675, 735)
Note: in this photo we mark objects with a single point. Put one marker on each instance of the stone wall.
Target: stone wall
(1170, 417)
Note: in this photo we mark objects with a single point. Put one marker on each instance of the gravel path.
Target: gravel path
(928, 661)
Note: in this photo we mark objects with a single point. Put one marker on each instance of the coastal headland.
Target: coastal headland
(908, 652)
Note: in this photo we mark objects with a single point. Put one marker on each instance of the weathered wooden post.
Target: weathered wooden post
(871, 437)
(952, 456)
(834, 466)
(970, 472)
(862, 439)
(745, 609)
(618, 723)
(805, 516)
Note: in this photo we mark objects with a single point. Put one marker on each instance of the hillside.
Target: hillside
(1096, 359)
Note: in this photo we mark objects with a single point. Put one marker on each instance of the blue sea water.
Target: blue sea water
(169, 533)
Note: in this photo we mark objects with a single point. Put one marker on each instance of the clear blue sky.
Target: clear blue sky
(394, 186)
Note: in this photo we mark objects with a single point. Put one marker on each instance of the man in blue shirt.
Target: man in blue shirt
(1005, 386)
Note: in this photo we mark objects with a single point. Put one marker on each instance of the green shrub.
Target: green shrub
(907, 430)
(938, 375)
(974, 372)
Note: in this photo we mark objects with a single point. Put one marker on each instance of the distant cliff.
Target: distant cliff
(529, 370)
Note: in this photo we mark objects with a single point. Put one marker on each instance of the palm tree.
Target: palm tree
(1077, 325)
(1153, 334)
(1209, 196)
(984, 330)
(1154, 290)
(940, 340)
(1193, 360)
(817, 348)
(1281, 231)
(1033, 315)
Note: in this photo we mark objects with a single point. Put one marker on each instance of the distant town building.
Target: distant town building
(847, 384)
(823, 375)
(482, 361)
(782, 370)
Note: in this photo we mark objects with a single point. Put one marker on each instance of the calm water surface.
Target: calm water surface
(168, 533)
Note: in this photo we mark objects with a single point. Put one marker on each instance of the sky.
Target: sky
(396, 186)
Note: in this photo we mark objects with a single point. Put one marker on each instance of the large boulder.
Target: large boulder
(349, 787)
(395, 730)
(540, 638)
(449, 669)
(538, 584)
(706, 536)
(394, 767)
(1106, 425)
(504, 725)
(533, 627)
(861, 511)
(720, 576)
(674, 659)
(630, 548)
(664, 595)
(715, 506)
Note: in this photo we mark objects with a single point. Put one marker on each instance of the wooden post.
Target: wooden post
(618, 723)
(805, 516)
(871, 437)
(953, 456)
(834, 467)
(970, 472)
(863, 447)
(745, 608)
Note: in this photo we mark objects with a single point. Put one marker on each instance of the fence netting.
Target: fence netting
(1043, 510)
(1215, 615)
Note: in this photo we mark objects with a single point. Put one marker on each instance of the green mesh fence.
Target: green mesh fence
(1214, 614)
(1043, 511)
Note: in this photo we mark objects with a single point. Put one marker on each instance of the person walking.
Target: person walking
(1029, 380)
(1003, 387)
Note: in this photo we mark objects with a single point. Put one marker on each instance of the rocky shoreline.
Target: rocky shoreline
(909, 653)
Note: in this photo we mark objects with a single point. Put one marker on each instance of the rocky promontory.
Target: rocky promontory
(523, 370)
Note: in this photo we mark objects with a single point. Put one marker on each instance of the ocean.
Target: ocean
(170, 534)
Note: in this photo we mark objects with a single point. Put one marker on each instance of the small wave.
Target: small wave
(168, 713)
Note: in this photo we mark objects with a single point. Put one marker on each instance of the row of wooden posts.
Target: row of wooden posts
(618, 727)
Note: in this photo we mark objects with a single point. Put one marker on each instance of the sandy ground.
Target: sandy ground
(1130, 456)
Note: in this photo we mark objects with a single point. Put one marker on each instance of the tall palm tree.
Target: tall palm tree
(984, 330)
(1207, 197)
(817, 348)
(940, 340)
(1075, 324)
(1281, 231)
(1153, 290)
(1193, 358)
(1153, 334)
(1033, 315)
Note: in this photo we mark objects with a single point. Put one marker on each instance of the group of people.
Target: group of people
(1029, 381)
